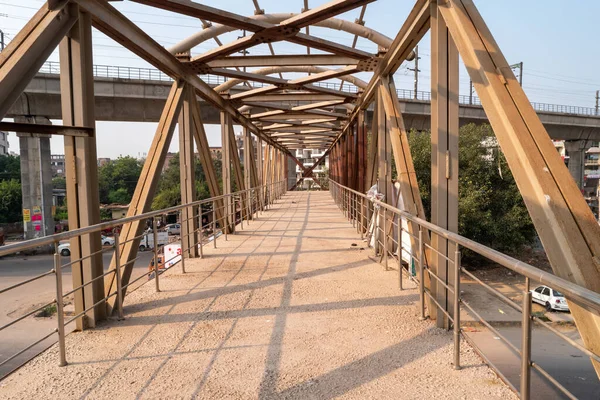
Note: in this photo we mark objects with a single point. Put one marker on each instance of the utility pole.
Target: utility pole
(1, 40)
(520, 66)
(597, 99)
(470, 91)
(416, 70)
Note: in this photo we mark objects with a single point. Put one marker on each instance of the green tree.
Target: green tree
(10, 201)
(118, 178)
(491, 209)
(59, 182)
(10, 168)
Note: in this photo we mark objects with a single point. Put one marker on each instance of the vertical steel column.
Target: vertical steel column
(189, 222)
(248, 149)
(444, 153)
(226, 173)
(77, 98)
(384, 161)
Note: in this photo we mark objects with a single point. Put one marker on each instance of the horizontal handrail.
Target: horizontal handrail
(47, 240)
(579, 293)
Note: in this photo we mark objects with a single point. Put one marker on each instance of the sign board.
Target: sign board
(26, 215)
(172, 254)
(37, 210)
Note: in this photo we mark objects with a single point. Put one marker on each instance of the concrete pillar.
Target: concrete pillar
(36, 180)
(576, 151)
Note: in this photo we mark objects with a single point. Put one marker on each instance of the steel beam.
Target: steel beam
(145, 189)
(226, 125)
(187, 179)
(80, 131)
(22, 58)
(444, 156)
(282, 60)
(77, 98)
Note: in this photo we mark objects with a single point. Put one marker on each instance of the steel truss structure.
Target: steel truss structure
(288, 114)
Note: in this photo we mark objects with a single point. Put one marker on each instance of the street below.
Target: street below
(24, 299)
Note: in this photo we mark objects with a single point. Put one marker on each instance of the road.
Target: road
(20, 301)
(565, 363)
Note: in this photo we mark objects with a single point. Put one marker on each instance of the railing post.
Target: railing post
(60, 315)
(421, 275)
(385, 239)
(399, 228)
(155, 237)
(526, 345)
(241, 203)
(183, 250)
(200, 236)
(214, 224)
(457, 266)
(362, 210)
(118, 276)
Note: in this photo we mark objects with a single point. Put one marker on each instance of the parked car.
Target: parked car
(549, 298)
(173, 229)
(107, 241)
(64, 249)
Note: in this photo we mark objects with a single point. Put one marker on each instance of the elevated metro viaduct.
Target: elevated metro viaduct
(324, 117)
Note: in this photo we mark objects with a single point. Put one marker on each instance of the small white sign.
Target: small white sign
(172, 254)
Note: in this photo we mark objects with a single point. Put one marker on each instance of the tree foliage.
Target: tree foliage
(117, 180)
(10, 168)
(169, 186)
(491, 209)
(10, 201)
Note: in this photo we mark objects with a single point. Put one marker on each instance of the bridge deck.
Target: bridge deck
(286, 308)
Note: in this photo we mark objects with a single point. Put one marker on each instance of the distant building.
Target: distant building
(103, 161)
(308, 157)
(57, 161)
(3, 143)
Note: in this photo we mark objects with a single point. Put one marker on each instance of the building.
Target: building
(591, 173)
(308, 158)
(103, 161)
(3, 143)
(57, 161)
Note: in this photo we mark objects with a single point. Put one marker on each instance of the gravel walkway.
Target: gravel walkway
(286, 308)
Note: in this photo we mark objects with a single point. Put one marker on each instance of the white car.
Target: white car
(64, 249)
(549, 298)
(108, 241)
(173, 229)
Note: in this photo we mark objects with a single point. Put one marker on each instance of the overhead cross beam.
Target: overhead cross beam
(112, 23)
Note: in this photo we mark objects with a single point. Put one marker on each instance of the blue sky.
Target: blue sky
(555, 39)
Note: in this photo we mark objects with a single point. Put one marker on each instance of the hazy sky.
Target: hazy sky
(555, 39)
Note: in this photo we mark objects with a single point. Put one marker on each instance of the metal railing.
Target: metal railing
(388, 231)
(152, 74)
(234, 208)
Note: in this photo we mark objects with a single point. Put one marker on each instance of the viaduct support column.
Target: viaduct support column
(77, 98)
(576, 151)
(36, 180)
(444, 155)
